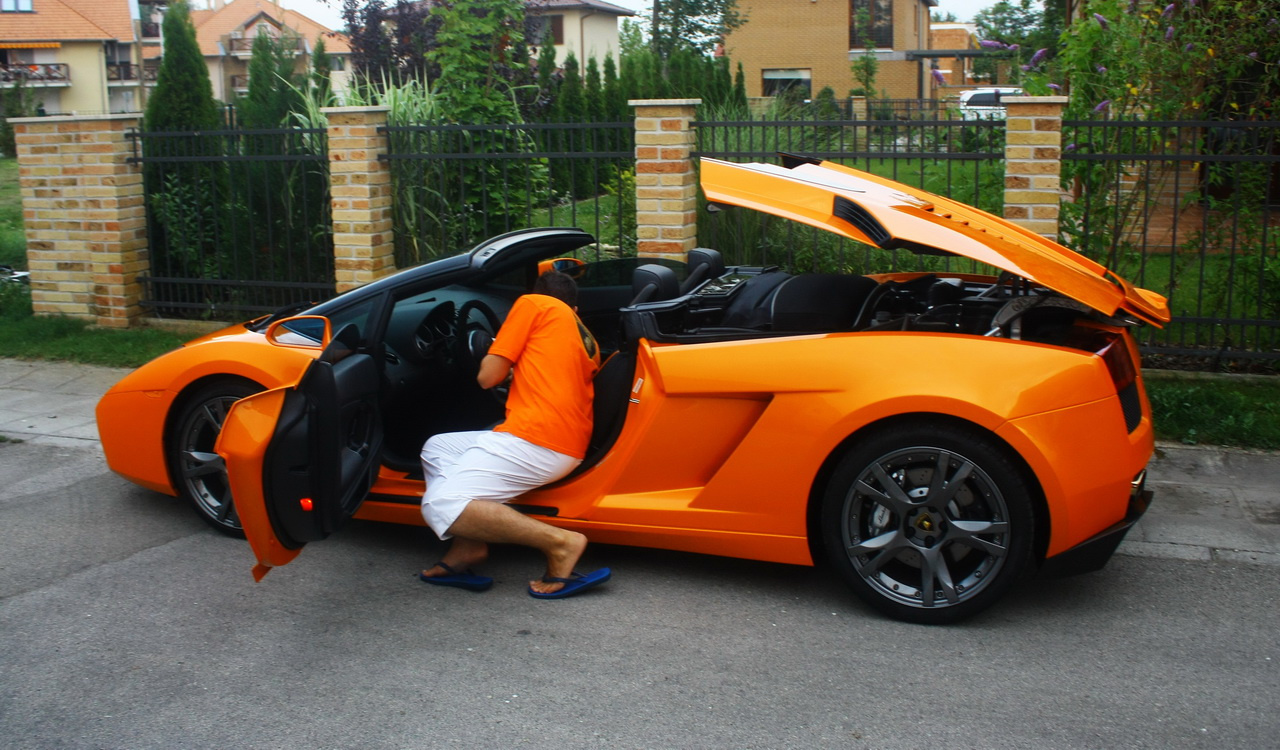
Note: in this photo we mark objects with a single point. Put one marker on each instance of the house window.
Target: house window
(15, 6)
(548, 28)
(779, 80)
(877, 16)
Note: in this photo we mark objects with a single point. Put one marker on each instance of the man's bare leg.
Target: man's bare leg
(463, 553)
(495, 523)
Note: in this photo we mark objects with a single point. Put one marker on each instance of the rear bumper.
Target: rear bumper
(1093, 553)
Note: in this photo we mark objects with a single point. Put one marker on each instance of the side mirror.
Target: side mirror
(570, 266)
(302, 332)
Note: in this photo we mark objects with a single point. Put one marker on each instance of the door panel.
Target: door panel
(301, 460)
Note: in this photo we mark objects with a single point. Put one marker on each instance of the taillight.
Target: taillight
(1124, 375)
(1119, 363)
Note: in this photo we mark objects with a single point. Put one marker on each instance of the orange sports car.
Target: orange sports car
(931, 435)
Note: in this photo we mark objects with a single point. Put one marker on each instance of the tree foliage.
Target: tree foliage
(1186, 58)
(1012, 31)
(15, 101)
(183, 96)
(274, 87)
(696, 25)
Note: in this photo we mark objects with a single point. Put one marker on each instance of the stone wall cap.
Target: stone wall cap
(1034, 99)
(664, 102)
(340, 110)
(77, 118)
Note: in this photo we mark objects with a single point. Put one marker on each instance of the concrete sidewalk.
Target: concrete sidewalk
(1210, 503)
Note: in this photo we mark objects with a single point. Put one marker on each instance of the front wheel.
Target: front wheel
(928, 523)
(198, 472)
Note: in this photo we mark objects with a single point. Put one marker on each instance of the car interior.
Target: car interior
(435, 339)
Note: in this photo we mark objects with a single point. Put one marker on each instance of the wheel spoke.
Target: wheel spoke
(890, 492)
(950, 485)
(967, 533)
(226, 511)
(199, 464)
(881, 549)
(934, 570)
(213, 413)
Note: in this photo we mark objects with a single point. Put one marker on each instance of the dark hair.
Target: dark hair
(559, 285)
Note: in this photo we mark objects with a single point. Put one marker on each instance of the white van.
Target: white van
(984, 103)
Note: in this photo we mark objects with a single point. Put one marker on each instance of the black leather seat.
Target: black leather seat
(609, 405)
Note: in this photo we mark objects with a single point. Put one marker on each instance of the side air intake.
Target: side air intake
(862, 219)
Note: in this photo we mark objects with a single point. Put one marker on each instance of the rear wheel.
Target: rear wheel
(199, 473)
(928, 523)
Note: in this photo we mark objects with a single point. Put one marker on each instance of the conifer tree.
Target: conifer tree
(548, 83)
(273, 86)
(321, 70)
(183, 96)
(615, 96)
(570, 104)
(593, 93)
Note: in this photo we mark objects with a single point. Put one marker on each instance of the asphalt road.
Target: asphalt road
(126, 623)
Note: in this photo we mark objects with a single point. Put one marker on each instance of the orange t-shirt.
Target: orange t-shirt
(555, 360)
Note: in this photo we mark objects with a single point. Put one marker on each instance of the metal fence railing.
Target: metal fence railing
(1190, 210)
(957, 159)
(238, 220)
(456, 185)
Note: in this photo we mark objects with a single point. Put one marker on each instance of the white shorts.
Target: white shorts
(496, 466)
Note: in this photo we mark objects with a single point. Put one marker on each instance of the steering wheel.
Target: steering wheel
(473, 338)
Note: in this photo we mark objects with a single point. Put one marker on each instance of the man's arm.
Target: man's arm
(493, 370)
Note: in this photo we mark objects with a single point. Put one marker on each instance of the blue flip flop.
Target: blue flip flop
(459, 579)
(575, 584)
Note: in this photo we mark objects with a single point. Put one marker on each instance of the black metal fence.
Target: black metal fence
(456, 185)
(1190, 210)
(958, 159)
(238, 221)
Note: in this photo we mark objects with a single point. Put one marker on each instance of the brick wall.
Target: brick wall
(818, 34)
(360, 191)
(84, 215)
(1033, 167)
(666, 181)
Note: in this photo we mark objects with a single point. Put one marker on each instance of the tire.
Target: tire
(924, 553)
(198, 473)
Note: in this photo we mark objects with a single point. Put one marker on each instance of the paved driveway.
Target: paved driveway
(126, 623)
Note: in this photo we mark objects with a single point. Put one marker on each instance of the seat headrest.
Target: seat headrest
(652, 282)
(704, 263)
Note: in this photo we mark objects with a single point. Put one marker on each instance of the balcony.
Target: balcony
(243, 46)
(37, 75)
(119, 74)
(151, 30)
(240, 83)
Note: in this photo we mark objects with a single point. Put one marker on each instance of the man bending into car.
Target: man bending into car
(551, 359)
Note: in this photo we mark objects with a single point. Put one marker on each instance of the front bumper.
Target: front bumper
(1093, 553)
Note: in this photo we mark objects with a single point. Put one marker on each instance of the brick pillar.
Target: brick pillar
(360, 188)
(85, 217)
(1033, 162)
(666, 181)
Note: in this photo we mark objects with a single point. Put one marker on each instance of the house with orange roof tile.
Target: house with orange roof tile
(226, 32)
(101, 56)
(76, 55)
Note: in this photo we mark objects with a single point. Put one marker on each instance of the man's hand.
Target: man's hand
(494, 370)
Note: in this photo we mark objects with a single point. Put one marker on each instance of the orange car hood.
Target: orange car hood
(880, 212)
